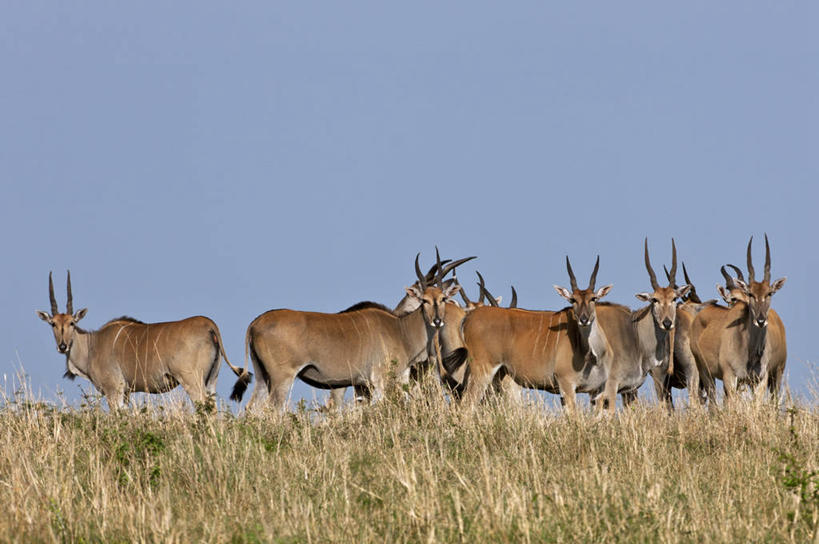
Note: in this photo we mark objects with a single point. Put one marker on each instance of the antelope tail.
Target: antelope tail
(244, 376)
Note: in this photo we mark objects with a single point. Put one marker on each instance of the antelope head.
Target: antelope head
(583, 300)
(732, 293)
(432, 298)
(411, 303)
(759, 293)
(663, 299)
(63, 325)
(484, 293)
(692, 295)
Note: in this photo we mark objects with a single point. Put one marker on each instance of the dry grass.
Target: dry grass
(416, 470)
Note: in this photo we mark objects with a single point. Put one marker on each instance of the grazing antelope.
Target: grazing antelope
(563, 351)
(340, 350)
(126, 355)
(744, 343)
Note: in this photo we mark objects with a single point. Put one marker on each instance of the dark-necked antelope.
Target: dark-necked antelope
(744, 343)
(671, 368)
(563, 351)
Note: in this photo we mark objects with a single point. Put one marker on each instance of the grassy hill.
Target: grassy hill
(417, 470)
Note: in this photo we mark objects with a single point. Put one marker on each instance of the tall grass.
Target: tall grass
(408, 470)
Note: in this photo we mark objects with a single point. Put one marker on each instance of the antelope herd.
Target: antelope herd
(599, 348)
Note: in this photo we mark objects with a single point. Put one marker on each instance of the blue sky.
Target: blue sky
(229, 158)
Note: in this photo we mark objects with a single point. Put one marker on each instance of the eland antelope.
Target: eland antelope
(358, 348)
(744, 343)
(406, 305)
(453, 352)
(564, 351)
(126, 355)
(671, 326)
(731, 293)
(657, 335)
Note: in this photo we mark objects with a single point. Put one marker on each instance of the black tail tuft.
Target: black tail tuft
(454, 360)
(240, 387)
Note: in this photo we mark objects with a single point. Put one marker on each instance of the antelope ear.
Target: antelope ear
(724, 293)
(498, 299)
(682, 291)
(603, 291)
(414, 292)
(451, 290)
(741, 284)
(44, 316)
(645, 297)
(563, 292)
(777, 285)
(79, 315)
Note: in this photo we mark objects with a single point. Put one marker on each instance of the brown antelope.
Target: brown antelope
(731, 293)
(736, 293)
(409, 303)
(692, 295)
(126, 355)
(453, 351)
(340, 350)
(744, 343)
(563, 351)
(405, 306)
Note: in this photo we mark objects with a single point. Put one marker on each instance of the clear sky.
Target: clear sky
(227, 158)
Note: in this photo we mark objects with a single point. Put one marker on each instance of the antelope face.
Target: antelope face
(62, 324)
(484, 293)
(583, 302)
(433, 302)
(63, 327)
(664, 304)
(663, 300)
(732, 295)
(759, 295)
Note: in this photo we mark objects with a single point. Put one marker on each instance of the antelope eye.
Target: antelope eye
(654, 300)
(594, 299)
(572, 300)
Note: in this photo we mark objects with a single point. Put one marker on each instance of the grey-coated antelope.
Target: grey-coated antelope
(348, 349)
(744, 343)
(126, 355)
(564, 351)
(665, 338)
